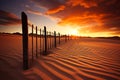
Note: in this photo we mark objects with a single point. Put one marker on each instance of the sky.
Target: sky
(94, 18)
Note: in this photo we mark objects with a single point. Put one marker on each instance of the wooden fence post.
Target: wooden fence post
(25, 40)
(59, 37)
(43, 41)
(36, 44)
(47, 40)
(32, 42)
(52, 43)
(50, 39)
(45, 36)
(55, 39)
(40, 41)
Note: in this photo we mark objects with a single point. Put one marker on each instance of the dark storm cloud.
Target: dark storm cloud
(7, 18)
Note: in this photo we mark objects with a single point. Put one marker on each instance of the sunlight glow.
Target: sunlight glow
(74, 32)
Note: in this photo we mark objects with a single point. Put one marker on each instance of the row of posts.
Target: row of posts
(25, 41)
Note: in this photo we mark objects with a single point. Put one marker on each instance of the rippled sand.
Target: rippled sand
(83, 59)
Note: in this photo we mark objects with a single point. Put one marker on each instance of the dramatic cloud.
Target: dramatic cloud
(83, 20)
(7, 18)
(55, 10)
(91, 16)
(84, 3)
(34, 12)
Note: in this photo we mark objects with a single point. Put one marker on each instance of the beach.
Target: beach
(77, 59)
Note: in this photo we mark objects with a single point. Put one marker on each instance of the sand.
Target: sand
(81, 59)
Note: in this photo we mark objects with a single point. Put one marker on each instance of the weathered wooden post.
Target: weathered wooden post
(52, 33)
(36, 44)
(25, 40)
(48, 40)
(45, 42)
(59, 37)
(47, 34)
(55, 39)
(32, 42)
(40, 41)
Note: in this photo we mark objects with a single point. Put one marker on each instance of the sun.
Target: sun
(74, 32)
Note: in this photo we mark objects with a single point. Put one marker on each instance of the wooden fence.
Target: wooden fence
(46, 39)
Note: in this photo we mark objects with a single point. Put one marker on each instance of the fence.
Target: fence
(45, 40)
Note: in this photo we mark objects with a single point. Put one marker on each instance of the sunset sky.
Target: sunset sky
(95, 18)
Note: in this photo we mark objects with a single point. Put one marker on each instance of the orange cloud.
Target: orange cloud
(84, 3)
(91, 16)
(85, 19)
(92, 24)
(55, 10)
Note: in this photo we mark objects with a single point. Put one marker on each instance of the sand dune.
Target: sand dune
(81, 59)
